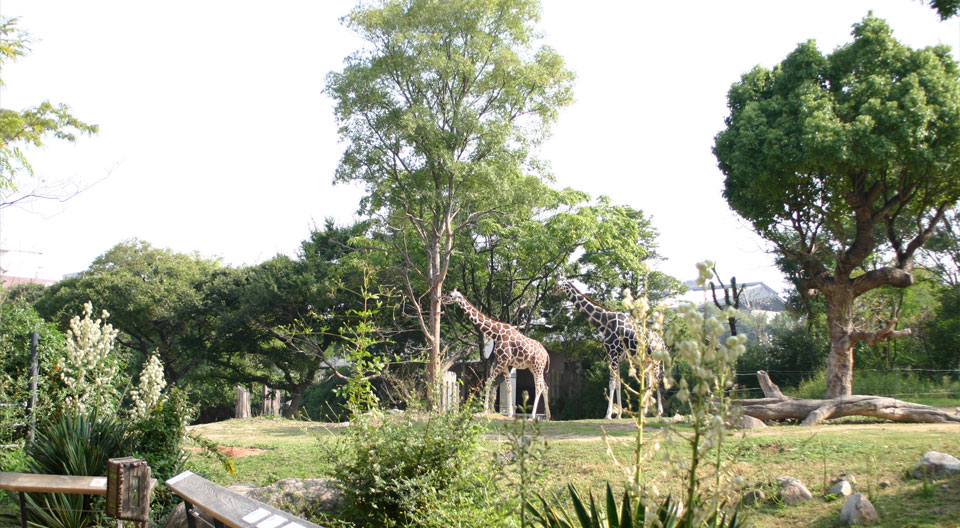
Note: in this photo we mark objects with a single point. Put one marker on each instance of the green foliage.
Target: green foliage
(324, 402)
(397, 470)
(155, 298)
(30, 126)
(17, 321)
(71, 444)
(791, 350)
(629, 513)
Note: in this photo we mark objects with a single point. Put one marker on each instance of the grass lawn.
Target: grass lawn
(877, 454)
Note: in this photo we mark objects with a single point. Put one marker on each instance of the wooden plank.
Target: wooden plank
(232, 509)
(35, 483)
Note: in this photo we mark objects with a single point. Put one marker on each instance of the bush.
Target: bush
(400, 470)
(158, 439)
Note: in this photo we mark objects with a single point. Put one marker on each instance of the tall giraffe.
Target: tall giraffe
(619, 338)
(511, 349)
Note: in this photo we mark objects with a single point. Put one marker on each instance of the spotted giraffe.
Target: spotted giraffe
(619, 338)
(511, 349)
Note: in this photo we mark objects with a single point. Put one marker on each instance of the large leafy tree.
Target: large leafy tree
(155, 298)
(29, 126)
(440, 113)
(282, 321)
(846, 162)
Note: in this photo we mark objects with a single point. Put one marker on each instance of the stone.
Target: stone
(884, 484)
(848, 477)
(936, 465)
(299, 497)
(755, 496)
(792, 491)
(749, 422)
(858, 511)
(841, 489)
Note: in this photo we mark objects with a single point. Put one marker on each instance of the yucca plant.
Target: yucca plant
(70, 445)
(629, 514)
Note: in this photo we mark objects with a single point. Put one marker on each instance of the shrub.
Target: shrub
(397, 470)
(158, 439)
(324, 402)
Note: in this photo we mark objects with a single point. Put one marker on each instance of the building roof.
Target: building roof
(9, 280)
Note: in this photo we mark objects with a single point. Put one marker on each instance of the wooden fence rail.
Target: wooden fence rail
(32, 483)
(227, 508)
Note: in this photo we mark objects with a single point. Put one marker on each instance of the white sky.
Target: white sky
(215, 136)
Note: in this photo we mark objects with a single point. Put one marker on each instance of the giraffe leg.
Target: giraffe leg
(538, 387)
(619, 398)
(511, 403)
(542, 389)
(611, 388)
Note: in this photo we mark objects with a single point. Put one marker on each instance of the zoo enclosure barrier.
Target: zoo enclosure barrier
(899, 383)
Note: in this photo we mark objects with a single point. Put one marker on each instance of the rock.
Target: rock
(756, 496)
(178, 519)
(858, 511)
(749, 422)
(792, 491)
(884, 484)
(935, 465)
(299, 497)
(841, 488)
(848, 477)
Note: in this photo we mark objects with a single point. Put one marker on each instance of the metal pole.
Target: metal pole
(32, 405)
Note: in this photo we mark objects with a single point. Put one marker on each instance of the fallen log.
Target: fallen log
(776, 406)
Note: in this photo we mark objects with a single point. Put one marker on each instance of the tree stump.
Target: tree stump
(243, 403)
(776, 406)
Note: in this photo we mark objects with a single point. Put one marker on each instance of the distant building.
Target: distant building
(756, 297)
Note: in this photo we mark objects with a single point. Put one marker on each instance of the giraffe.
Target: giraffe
(511, 349)
(619, 338)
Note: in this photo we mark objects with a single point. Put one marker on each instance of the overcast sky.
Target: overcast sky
(215, 136)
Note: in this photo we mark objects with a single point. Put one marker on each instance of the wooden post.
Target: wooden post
(271, 401)
(450, 396)
(243, 403)
(34, 373)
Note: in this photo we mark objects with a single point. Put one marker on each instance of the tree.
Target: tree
(30, 126)
(155, 298)
(281, 321)
(846, 162)
(946, 8)
(440, 114)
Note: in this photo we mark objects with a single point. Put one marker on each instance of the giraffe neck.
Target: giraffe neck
(487, 325)
(595, 313)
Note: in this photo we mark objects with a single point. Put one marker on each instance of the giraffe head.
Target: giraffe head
(565, 286)
(453, 297)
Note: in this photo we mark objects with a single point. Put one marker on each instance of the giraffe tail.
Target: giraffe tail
(548, 363)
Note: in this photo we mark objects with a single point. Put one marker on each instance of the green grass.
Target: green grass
(873, 452)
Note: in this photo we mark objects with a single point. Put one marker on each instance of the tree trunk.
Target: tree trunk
(434, 376)
(242, 409)
(776, 406)
(840, 360)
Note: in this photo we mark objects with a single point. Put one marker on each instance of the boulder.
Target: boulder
(299, 497)
(841, 488)
(756, 496)
(749, 422)
(848, 477)
(792, 491)
(858, 511)
(935, 465)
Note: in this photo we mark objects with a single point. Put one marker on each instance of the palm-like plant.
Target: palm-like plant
(70, 445)
(630, 514)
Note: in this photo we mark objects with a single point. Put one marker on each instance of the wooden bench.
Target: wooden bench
(227, 508)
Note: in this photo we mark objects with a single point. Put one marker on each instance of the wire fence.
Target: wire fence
(932, 386)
